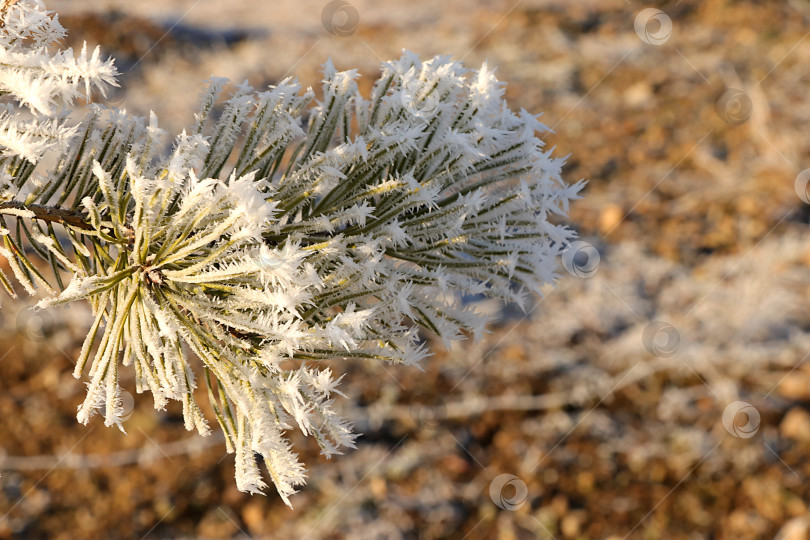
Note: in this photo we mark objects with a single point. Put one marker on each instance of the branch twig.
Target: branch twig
(140, 456)
(52, 214)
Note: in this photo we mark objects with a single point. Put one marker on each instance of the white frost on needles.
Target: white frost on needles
(43, 82)
(256, 249)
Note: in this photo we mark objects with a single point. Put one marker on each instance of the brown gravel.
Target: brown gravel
(686, 194)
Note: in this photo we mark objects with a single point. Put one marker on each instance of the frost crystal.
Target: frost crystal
(41, 83)
(255, 248)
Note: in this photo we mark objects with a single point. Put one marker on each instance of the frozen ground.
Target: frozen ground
(606, 401)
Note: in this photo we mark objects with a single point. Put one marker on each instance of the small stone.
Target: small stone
(559, 504)
(586, 481)
(796, 425)
(218, 524)
(796, 385)
(571, 524)
(638, 94)
(378, 487)
(253, 516)
(795, 529)
(514, 352)
(610, 216)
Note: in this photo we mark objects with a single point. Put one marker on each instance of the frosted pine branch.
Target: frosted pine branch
(260, 244)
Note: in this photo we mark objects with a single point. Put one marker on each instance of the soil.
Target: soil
(609, 430)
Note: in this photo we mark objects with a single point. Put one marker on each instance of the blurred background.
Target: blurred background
(659, 390)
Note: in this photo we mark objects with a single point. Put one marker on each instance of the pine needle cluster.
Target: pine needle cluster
(277, 232)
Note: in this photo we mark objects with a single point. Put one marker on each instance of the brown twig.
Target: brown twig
(52, 214)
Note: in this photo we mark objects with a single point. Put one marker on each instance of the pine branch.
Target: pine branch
(254, 246)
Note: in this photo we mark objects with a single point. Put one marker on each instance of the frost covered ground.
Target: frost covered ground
(606, 401)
